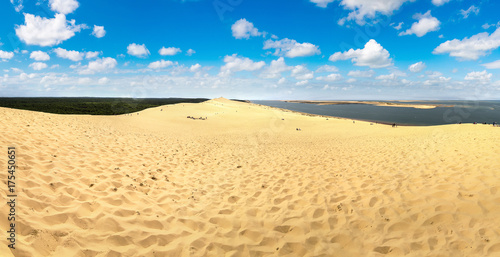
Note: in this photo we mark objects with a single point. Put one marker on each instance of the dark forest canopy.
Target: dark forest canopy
(90, 105)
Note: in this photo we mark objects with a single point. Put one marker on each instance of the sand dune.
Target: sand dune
(245, 182)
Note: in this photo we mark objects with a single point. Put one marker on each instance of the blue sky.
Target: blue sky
(275, 49)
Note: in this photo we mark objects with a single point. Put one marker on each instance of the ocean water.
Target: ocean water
(461, 112)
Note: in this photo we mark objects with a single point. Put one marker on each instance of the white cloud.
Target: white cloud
(275, 69)
(372, 55)
(160, 64)
(472, 9)
(99, 31)
(397, 27)
(470, 48)
(439, 2)
(190, 52)
(24, 76)
(300, 72)
(479, 76)
(321, 3)
(39, 56)
(100, 65)
(169, 51)
(487, 26)
(417, 67)
(327, 68)
(6, 55)
(63, 6)
(281, 81)
(426, 23)
(392, 76)
(70, 55)
(436, 81)
(244, 29)
(362, 9)
(433, 74)
(195, 67)
(18, 5)
(332, 77)
(46, 32)
(302, 83)
(137, 50)
(38, 65)
(351, 80)
(492, 65)
(291, 48)
(235, 64)
(103, 81)
(91, 55)
(361, 74)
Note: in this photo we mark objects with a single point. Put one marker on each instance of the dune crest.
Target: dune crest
(245, 182)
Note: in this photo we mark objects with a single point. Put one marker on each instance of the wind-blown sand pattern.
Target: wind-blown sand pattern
(245, 182)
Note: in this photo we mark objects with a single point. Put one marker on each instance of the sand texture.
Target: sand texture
(245, 182)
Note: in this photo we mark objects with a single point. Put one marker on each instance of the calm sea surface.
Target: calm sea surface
(462, 111)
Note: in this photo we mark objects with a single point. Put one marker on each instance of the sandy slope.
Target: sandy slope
(245, 182)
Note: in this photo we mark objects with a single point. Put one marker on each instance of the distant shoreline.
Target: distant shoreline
(375, 103)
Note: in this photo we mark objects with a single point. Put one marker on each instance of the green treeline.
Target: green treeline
(90, 105)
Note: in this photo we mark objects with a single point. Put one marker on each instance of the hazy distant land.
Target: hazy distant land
(376, 103)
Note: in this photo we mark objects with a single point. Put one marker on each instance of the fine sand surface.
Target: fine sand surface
(245, 182)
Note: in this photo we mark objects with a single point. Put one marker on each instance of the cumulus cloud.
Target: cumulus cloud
(392, 76)
(433, 74)
(103, 80)
(439, 2)
(472, 9)
(470, 48)
(38, 66)
(361, 74)
(39, 56)
(63, 6)
(99, 31)
(492, 65)
(137, 50)
(397, 27)
(327, 68)
(275, 69)
(244, 29)
(235, 64)
(372, 55)
(300, 72)
(91, 55)
(46, 32)
(302, 83)
(18, 5)
(190, 52)
(479, 76)
(417, 67)
(195, 67)
(70, 55)
(330, 78)
(363, 9)
(160, 64)
(6, 55)
(100, 65)
(169, 51)
(321, 3)
(487, 26)
(291, 48)
(425, 24)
